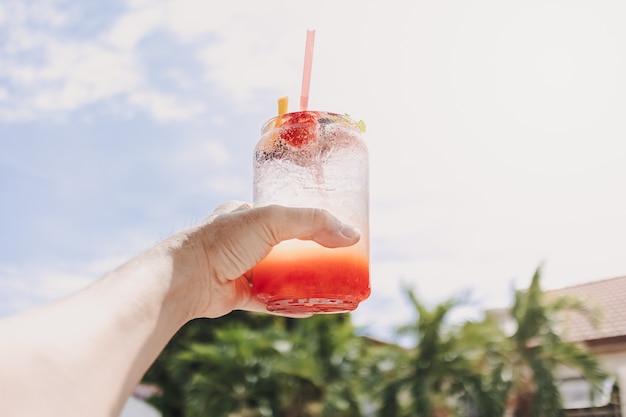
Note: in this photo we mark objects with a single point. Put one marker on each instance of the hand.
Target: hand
(236, 237)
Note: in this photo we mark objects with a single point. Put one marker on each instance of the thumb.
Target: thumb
(283, 223)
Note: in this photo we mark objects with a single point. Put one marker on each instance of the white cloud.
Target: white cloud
(243, 49)
(261, 45)
(87, 72)
(164, 107)
(66, 73)
(227, 185)
(561, 70)
(205, 152)
(70, 73)
(133, 26)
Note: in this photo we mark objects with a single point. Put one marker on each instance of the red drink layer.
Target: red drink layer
(304, 277)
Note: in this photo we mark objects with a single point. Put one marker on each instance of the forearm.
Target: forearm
(96, 344)
(84, 355)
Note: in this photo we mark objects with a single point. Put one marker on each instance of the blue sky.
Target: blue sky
(496, 134)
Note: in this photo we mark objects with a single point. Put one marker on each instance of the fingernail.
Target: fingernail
(349, 231)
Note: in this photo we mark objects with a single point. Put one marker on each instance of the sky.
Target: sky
(496, 134)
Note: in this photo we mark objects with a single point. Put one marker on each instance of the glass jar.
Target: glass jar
(314, 159)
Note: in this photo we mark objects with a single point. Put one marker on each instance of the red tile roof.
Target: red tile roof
(609, 297)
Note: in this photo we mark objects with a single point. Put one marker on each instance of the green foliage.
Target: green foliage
(537, 349)
(254, 365)
(284, 368)
(424, 382)
(171, 402)
(482, 381)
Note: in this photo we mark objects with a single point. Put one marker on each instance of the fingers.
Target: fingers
(283, 223)
(319, 225)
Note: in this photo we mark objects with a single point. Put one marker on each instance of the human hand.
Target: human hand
(236, 237)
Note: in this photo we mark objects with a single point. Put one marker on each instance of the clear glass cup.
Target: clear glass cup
(314, 159)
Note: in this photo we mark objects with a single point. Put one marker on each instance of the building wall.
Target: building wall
(615, 364)
(612, 358)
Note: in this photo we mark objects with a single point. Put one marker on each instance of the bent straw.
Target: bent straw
(306, 73)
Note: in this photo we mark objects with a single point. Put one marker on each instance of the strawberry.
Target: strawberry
(299, 128)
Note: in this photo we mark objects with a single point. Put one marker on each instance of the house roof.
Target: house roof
(608, 297)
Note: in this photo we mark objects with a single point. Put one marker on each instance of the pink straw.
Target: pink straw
(306, 73)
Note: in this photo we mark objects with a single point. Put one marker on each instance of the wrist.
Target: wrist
(188, 275)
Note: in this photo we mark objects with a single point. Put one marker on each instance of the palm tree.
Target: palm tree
(422, 382)
(481, 382)
(476, 366)
(329, 356)
(537, 350)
